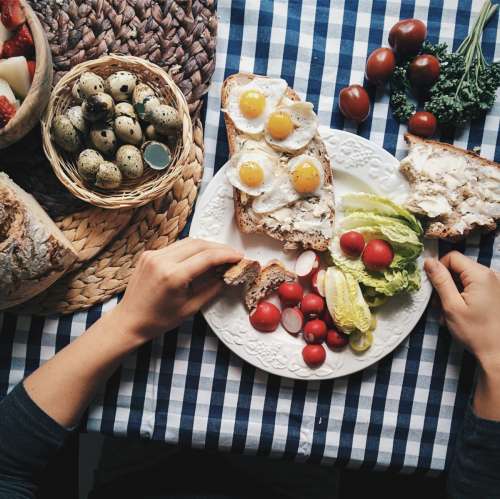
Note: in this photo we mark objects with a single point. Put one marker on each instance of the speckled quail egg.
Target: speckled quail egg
(164, 118)
(128, 130)
(90, 84)
(65, 135)
(98, 107)
(151, 103)
(103, 138)
(88, 163)
(125, 109)
(129, 161)
(120, 85)
(76, 92)
(108, 176)
(140, 92)
(75, 115)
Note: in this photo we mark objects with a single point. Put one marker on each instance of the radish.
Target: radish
(292, 320)
(290, 293)
(318, 282)
(266, 317)
(314, 355)
(315, 331)
(312, 305)
(307, 262)
(327, 318)
(336, 339)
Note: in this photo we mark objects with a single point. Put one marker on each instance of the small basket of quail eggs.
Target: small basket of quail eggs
(117, 131)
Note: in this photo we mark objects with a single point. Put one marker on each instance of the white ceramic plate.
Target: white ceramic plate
(359, 165)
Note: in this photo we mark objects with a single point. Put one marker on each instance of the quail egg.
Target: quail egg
(76, 92)
(98, 107)
(120, 85)
(164, 118)
(75, 115)
(88, 163)
(141, 91)
(128, 130)
(90, 84)
(65, 135)
(156, 155)
(125, 109)
(129, 161)
(150, 103)
(103, 138)
(108, 176)
(151, 133)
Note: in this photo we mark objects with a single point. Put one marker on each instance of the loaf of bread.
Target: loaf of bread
(33, 251)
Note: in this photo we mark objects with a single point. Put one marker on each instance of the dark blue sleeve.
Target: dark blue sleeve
(29, 438)
(475, 469)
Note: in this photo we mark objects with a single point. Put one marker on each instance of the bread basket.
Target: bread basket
(131, 193)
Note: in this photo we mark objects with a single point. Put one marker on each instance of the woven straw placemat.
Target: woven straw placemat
(178, 35)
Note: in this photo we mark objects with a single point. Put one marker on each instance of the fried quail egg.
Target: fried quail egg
(281, 194)
(306, 175)
(249, 105)
(252, 172)
(290, 128)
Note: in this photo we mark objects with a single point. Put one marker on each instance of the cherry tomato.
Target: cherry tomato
(266, 317)
(312, 304)
(290, 293)
(315, 331)
(354, 103)
(423, 124)
(424, 71)
(336, 339)
(380, 66)
(406, 36)
(352, 243)
(314, 355)
(378, 254)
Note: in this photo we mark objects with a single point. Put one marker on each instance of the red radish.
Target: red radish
(290, 293)
(12, 14)
(31, 69)
(312, 305)
(352, 243)
(378, 254)
(336, 339)
(314, 355)
(292, 320)
(266, 317)
(306, 263)
(328, 319)
(315, 331)
(318, 282)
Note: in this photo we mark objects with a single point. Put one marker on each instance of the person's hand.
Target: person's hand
(472, 315)
(171, 284)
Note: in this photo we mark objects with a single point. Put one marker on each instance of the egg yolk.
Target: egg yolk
(305, 178)
(279, 125)
(252, 104)
(251, 174)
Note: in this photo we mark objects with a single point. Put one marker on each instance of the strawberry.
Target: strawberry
(12, 14)
(7, 111)
(20, 44)
(31, 68)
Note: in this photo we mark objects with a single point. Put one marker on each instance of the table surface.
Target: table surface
(187, 388)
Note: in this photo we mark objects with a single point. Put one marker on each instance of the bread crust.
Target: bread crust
(246, 223)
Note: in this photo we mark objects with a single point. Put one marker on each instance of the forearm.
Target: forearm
(64, 386)
(487, 395)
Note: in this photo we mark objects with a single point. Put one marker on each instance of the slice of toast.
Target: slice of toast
(243, 272)
(248, 222)
(456, 190)
(268, 281)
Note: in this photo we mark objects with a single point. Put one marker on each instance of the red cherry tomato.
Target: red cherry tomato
(312, 305)
(423, 124)
(424, 71)
(266, 317)
(406, 36)
(314, 355)
(336, 339)
(352, 243)
(380, 66)
(315, 331)
(378, 254)
(290, 293)
(354, 103)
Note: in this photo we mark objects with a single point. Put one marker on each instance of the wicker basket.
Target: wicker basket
(131, 193)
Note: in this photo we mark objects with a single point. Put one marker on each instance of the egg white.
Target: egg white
(272, 88)
(280, 195)
(306, 125)
(302, 158)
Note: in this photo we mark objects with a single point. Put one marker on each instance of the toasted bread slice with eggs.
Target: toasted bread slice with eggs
(289, 233)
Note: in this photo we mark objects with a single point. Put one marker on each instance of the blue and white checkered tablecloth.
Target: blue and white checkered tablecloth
(188, 388)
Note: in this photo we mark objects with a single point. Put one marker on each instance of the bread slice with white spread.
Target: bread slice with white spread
(457, 190)
(33, 251)
(306, 223)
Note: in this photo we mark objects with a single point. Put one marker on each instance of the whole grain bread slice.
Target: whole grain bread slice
(243, 272)
(250, 223)
(473, 205)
